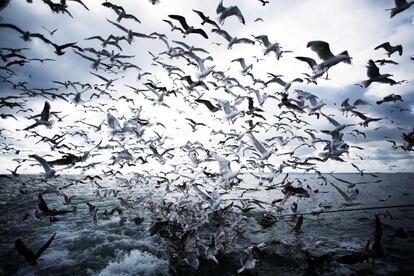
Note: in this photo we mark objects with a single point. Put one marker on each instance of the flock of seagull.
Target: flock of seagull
(184, 169)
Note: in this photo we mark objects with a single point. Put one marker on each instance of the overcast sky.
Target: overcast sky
(353, 25)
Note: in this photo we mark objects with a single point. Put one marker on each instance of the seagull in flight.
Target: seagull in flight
(188, 29)
(324, 52)
(28, 254)
(400, 6)
(374, 75)
(44, 118)
(232, 40)
(49, 172)
(225, 12)
(390, 49)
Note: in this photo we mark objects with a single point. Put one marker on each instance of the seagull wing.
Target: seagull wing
(237, 12)
(181, 19)
(113, 122)
(311, 62)
(24, 251)
(224, 164)
(41, 204)
(400, 3)
(44, 247)
(372, 69)
(312, 195)
(223, 33)
(200, 32)
(42, 162)
(118, 25)
(44, 116)
(257, 144)
(264, 39)
(321, 48)
(342, 193)
(385, 45)
(10, 26)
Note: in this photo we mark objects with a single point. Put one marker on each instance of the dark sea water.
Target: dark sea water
(109, 247)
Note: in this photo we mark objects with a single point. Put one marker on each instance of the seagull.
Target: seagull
(120, 12)
(190, 48)
(192, 84)
(232, 40)
(245, 68)
(49, 172)
(214, 199)
(203, 70)
(206, 19)
(14, 172)
(209, 105)
(400, 6)
(382, 62)
(390, 49)
(390, 98)
(44, 118)
(225, 12)
(130, 33)
(317, 209)
(225, 171)
(188, 29)
(173, 27)
(28, 254)
(324, 53)
(277, 79)
(50, 32)
(264, 153)
(366, 120)
(230, 111)
(246, 259)
(349, 200)
(108, 81)
(375, 76)
(25, 34)
(93, 210)
(271, 47)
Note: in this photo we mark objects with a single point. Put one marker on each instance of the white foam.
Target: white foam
(136, 263)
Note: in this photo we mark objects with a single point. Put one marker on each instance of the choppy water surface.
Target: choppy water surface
(113, 248)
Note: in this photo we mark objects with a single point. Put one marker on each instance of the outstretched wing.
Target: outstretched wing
(373, 69)
(24, 251)
(311, 62)
(113, 122)
(223, 33)
(45, 246)
(41, 204)
(42, 162)
(385, 45)
(181, 19)
(321, 48)
(44, 116)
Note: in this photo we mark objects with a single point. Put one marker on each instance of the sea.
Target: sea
(118, 245)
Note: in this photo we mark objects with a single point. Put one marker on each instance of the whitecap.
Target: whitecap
(136, 263)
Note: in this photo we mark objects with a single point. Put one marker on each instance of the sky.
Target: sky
(352, 25)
